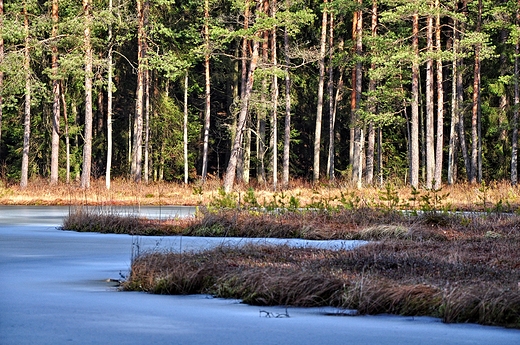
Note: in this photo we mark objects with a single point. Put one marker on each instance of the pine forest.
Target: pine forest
(264, 91)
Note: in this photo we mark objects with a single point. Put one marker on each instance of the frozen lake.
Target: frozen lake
(53, 290)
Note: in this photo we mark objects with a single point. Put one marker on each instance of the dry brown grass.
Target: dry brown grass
(459, 281)
(124, 192)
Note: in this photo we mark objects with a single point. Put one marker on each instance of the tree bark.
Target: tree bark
(55, 141)
(27, 109)
(207, 108)
(229, 178)
(319, 111)
(430, 132)
(514, 144)
(287, 124)
(372, 108)
(414, 132)
(275, 93)
(137, 148)
(359, 138)
(332, 115)
(454, 124)
(440, 103)
(475, 113)
(185, 133)
(87, 146)
(110, 85)
(67, 136)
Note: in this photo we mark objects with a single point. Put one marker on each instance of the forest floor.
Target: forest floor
(431, 259)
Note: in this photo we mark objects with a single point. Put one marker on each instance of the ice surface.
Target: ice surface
(53, 290)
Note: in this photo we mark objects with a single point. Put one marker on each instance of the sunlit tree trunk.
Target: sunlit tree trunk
(414, 131)
(27, 109)
(207, 108)
(321, 82)
(332, 115)
(185, 130)
(87, 146)
(430, 133)
(55, 141)
(287, 124)
(475, 114)
(372, 108)
(67, 136)
(110, 85)
(452, 151)
(229, 178)
(440, 103)
(146, 172)
(514, 144)
(275, 93)
(359, 137)
(137, 149)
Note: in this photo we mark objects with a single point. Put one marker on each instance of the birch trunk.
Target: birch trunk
(87, 146)
(430, 133)
(275, 93)
(207, 108)
(27, 108)
(287, 124)
(414, 131)
(110, 85)
(319, 111)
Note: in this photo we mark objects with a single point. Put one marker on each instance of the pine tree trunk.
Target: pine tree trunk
(229, 178)
(146, 168)
(207, 108)
(137, 148)
(475, 113)
(27, 109)
(287, 124)
(414, 131)
(110, 86)
(372, 108)
(514, 144)
(452, 151)
(359, 138)
(87, 146)
(332, 118)
(440, 104)
(185, 133)
(55, 141)
(67, 137)
(275, 93)
(430, 132)
(319, 111)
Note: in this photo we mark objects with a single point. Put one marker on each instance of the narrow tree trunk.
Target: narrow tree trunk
(514, 144)
(185, 133)
(55, 141)
(475, 114)
(452, 151)
(110, 85)
(27, 110)
(353, 119)
(137, 149)
(372, 108)
(287, 127)
(430, 133)
(319, 111)
(359, 137)
(440, 103)
(332, 118)
(87, 146)
(207, 108)
(229, 178)
(146, 168)
(243, 85)
(275, 93)
(414, 131)
(67, 137)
